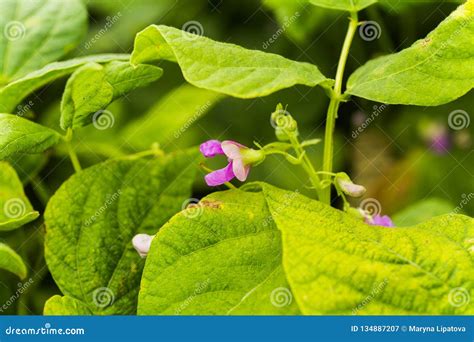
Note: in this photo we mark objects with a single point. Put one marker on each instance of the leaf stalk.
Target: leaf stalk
(336, 99)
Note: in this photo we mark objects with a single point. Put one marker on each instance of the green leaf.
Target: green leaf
(170, 117)
(422, 211)
(124, 77)
(36, 33)
(11, 261)
(18, 135)
(16, 91)
(344, 5)
(336, 264)
(86, 92)
(222, 67)
(65, 306)
(221, 256)
(93, 87)
(401, 5)
(15, 209)
(92, 218)
(433, 71)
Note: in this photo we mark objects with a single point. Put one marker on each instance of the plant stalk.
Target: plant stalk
(333, 108)
(308, 167)
(72, 153)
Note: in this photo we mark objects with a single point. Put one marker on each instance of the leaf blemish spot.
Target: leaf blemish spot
(211, 204)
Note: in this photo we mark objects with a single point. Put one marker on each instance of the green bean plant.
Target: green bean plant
(124, 236)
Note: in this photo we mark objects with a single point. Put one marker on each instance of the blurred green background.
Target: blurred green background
(392, 157)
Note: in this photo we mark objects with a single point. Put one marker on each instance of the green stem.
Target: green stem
(72, 153)
(147, 153)
(307, 166)
(333, 108)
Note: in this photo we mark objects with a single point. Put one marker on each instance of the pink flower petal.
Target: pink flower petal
(384, 221)
(232, 149)
(241, 171)
(211, 148)
(220, 176)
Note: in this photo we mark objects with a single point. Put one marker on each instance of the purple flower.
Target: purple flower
(378, 220)
(440, 144)
(239, 156)
(437, 137)
(211, 148)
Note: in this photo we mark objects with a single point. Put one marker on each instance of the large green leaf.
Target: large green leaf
(15, 209)
(170, 117)
(92, 218)
(222, 67)
(65, 306)
(336, 264)
(433, 71)
(18, 135)
(93, 87)
(222, 256)
(36, 33)
(11, 261)
(16, 91)
(344, 5)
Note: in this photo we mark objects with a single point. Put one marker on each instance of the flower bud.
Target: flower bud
(142, 243)
(343, 183)
(284, 124)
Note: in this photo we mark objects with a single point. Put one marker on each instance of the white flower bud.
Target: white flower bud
(142, 243)
(343, 183)
(351, 189)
